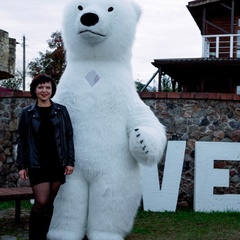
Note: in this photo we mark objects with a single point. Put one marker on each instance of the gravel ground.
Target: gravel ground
(9, 229)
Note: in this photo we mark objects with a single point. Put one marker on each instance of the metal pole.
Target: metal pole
(159, 79)
(145, 86)
(24, 63)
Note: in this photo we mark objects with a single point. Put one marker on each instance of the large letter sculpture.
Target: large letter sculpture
(165, 199)
(206, 177)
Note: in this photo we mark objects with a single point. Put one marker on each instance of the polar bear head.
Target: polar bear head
(100, 30)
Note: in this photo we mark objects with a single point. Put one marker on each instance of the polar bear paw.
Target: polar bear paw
(147, 145)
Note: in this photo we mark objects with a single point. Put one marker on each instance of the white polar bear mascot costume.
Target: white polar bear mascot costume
(114, 130)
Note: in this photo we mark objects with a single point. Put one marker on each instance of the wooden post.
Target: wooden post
(159, 79)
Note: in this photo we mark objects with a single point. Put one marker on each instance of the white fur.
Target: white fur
(114, 130)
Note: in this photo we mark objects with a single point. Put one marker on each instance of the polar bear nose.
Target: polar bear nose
(89, 19)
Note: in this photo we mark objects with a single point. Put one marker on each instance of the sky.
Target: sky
(166, 30)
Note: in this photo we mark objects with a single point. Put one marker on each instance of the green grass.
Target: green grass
(186, 225)
(25, 204)
(179, 225)
(6, 205)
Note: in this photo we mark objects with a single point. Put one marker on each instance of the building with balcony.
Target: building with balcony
(218, 70)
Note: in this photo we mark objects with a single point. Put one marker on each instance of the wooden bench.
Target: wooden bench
(16, 194)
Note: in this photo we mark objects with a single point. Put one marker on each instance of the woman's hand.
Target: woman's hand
(23, 174)
(69, 170)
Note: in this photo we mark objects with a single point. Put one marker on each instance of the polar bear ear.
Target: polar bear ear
(137, 9)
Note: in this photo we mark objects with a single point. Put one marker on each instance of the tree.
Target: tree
(14, 83)
(140, 85)
(52, 62)
(166, 83)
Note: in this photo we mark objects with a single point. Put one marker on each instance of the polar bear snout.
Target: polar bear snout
(89, 19)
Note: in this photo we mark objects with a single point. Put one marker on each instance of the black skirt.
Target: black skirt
(41, 175)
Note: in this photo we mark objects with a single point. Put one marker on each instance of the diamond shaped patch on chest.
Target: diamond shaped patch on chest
(92, 77)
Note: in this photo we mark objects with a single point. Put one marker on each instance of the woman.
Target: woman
(45, 151)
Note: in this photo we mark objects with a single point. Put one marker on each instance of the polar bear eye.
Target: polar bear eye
(80, 8)
(110, 9)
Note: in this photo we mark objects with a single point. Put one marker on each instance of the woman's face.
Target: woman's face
(44, 91)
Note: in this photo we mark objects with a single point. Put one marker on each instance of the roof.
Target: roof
(201, 61)
(192, 67)
(5, 75)
(214, 7)
(201, 2)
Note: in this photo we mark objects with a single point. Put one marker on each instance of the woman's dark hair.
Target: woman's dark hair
(39, 79)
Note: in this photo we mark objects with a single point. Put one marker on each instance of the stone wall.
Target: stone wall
(10, 108)
(197, 119)
(204, 117)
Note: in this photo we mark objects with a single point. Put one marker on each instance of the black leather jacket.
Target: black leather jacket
(27, 151)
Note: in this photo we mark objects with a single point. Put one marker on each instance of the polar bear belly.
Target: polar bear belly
(100, 128)
(100, 143)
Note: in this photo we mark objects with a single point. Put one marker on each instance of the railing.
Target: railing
(221, 46)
